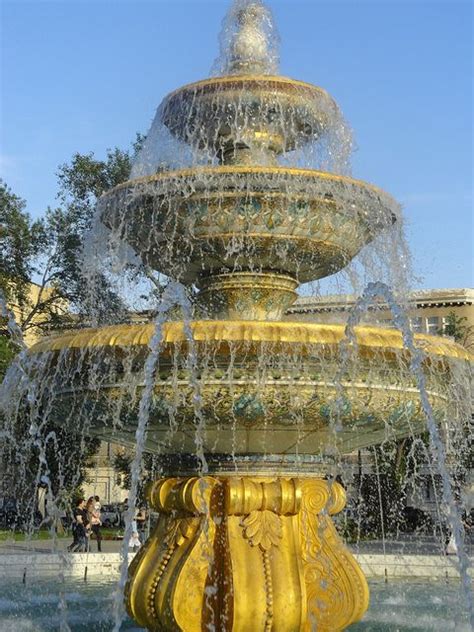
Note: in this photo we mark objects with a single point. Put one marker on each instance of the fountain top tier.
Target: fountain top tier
(249, 41)
(248, 114)
(243, 227)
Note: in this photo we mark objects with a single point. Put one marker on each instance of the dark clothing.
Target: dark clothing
(79, 532)
(83, 514)
(98, 536)
(140, 519)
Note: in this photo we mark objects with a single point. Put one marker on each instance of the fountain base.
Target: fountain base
(245, 552)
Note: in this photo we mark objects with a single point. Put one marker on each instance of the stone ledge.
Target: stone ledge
(65, 565)
(397, 565)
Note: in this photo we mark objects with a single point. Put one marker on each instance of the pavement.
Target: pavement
(405, 545)
(54, 545)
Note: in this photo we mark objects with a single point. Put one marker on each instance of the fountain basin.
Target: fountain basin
(247, 387)
(192, 223)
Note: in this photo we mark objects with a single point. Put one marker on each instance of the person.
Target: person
(451, 547)
(79, 528)
(140, 519)
(134, 542)
(93, 510)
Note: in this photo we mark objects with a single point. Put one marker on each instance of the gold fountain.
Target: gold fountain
(245, 540)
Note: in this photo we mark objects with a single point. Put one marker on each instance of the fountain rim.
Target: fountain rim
(369, 338)
(244, 78)
(236, 169)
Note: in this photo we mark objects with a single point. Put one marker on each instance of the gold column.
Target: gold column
(245, 553)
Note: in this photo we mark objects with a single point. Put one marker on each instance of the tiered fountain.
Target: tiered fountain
(246, 410)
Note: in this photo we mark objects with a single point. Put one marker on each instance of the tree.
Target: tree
(383, 491)
(8, 351)
(49, 251)
(123, 464)
(456, 327)
(18, 245)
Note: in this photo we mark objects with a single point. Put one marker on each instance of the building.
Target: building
(429, 311)
(102, 479)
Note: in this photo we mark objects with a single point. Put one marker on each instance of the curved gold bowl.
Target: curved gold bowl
(195, 222)
(369, 339)
(258, 387)
(275, 112)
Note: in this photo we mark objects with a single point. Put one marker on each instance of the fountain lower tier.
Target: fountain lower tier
(246, 387)
(246, 417)
(243, 553)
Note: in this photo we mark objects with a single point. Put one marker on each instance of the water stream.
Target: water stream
(243, 184)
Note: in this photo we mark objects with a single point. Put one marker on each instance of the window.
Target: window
(432, 325)
(416, 324)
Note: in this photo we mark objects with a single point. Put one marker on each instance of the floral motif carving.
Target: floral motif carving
(178, 530)
(263, 529)
(331, 574)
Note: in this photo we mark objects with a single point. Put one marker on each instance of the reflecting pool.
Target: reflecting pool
(398, 606)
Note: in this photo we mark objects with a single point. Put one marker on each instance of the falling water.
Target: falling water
(417, 358)
(241, 189)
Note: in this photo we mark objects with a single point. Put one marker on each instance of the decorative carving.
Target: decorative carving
(263, 529)
(269, 590)
(247, 295)
(318, 220)
(178, 530)
(198, 571)
(151, 610)
(331, 574)
(242, 384)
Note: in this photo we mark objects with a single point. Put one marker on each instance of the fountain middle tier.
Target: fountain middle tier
(247, 387)
(193, 223)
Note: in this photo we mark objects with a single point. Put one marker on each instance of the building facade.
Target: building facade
(102, 479)
(429, 311)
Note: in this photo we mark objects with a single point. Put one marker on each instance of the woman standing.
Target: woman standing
(94, 520)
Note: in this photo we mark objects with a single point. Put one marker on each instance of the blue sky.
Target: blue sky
(85, 76)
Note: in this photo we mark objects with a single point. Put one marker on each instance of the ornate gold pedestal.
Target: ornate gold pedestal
(246, 553)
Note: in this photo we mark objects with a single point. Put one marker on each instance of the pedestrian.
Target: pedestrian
(140, 519)
(79, 528)
(451, 547)
(94, 520)
(134, 543)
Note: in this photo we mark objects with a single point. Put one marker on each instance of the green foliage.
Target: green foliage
(38, 452)
(122, 466)
(456, 327)
(19, 243)
(84, 179)
(381, 507)
(7, 352)
(49, 251)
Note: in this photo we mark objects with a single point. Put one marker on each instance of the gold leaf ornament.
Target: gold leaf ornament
(262, 528)
(178, 530)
